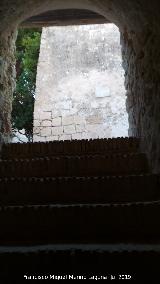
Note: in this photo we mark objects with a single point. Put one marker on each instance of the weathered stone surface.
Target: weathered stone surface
(7, 82)
(93, 127)
(70, 129)
(89, 136)
(37, 115)
(37, 123)
(79, 119)
(37, 138)
(37, 130)
(68, 120)
(46, 131)
(77, 136)
(80, 128)
(143, 100)
(89, 85)
(46, 123)
(57, 121)
(53, 138)
(57, 130)
(45, 115)
(64, 105)
(65, 137)
(95, 119)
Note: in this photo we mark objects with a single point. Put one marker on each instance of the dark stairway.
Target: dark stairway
(78, 207)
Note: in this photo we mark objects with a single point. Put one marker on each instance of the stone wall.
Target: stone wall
(7, 82)
(143, 91)
(80, 90)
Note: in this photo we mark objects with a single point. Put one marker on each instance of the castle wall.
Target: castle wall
(80, 91)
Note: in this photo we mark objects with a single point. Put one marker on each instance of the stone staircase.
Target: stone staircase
(82, 207)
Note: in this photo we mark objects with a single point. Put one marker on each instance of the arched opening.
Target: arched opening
(139, 42)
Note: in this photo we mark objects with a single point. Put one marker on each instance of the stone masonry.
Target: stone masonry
(7, 82)
(80, 91)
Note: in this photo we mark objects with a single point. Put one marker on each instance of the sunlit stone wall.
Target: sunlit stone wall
(80, 91)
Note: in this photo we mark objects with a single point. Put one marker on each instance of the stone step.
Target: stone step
(75, 147)
(116, 262)
(95, 165)
(68, 190)
(135, 222)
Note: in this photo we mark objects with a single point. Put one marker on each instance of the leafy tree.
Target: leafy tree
(27, 45)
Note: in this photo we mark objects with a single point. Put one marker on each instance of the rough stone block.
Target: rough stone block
(36, 138)
(79, 119)
(90, 135)
(70, 129)
(36, 130)
(80, 128)
(77, 136)
(94, 105)
(39, 138)
(46, 123)
(92, 127)
(52, 138)
(46, 107)
(46, 131)
(42, 139)
(57, 130)
(86, 136)
(105, 134)
(65, 137)
(67, 105)
(57, 121)
(56, 113)
(46, 115)
(68, 120)
(37, 114)
(37, 123)
(94, 119)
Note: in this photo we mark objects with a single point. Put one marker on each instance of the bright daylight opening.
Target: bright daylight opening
(79, 92)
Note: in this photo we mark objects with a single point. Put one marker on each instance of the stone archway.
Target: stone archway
(140, 37)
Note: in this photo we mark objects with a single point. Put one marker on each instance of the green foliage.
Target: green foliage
(27, 45)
